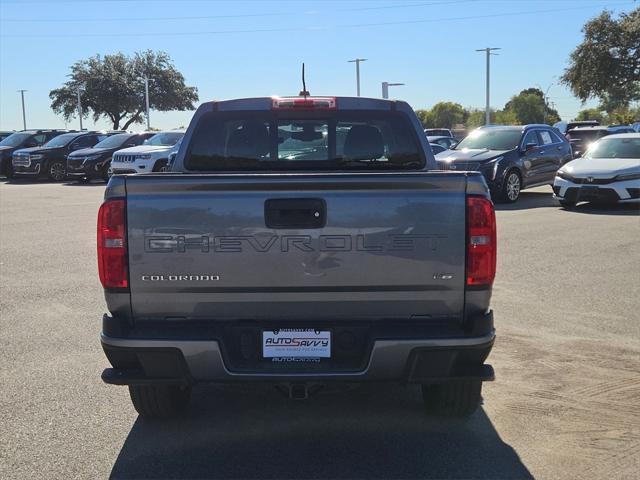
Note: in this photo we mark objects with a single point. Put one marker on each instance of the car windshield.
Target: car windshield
(433, 132)
(61, 140)
(333, 141)
(586, 134)
(15, 139)
(165, 139)
(114, 141)
(491, 139)
(611, 147)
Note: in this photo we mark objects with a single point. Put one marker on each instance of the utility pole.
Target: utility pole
(24, 117)
(385, 88)
(80, 89)
(357, 62)
(488, 50)
(146, 95)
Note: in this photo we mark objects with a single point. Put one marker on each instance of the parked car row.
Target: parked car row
(513, 158)
(84, 155)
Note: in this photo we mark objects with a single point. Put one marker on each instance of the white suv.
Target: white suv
(151, 156)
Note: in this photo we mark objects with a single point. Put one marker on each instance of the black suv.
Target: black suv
(23, 139)
(582, 137)
(94, 162)
(511, 158)
(50, 160)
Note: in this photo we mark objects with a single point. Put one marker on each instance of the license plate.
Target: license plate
(590, 192)
(296, 343)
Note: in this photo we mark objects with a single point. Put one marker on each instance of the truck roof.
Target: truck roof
(269, 103)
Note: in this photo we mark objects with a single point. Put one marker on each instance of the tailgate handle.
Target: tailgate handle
(295, 213)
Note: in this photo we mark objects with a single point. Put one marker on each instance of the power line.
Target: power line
(314, 28)
(213, 17)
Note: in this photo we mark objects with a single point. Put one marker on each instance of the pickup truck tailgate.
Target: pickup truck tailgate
(292, 246)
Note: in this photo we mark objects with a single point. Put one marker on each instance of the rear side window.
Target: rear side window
(530, 137)
(321, 141)
(545, 137)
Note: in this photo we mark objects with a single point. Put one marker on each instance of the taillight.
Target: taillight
(481, 241)
(304, 103)
(112, 244)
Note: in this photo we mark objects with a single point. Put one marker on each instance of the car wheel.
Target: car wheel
(106, 173)
(455, 399)
(160, 166)
(56, 171)
(566, 204)
(159, 401)
(511, 186)
(8, 170)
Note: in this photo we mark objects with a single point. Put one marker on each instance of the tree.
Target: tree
(530, 106)
(424, 116)
(592, 114)
(606, 65)
(447, 114)
(475, 118)
(113, 86)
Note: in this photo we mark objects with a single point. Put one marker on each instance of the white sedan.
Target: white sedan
(609, 171)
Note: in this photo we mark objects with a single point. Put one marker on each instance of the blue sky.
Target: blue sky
(254, 48)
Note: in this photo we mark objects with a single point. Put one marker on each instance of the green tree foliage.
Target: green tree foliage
(424, 116)
(113, 87)
(592, 114)
(606, 65)
(447, 114)
(530, 106)
(475, 118)
(442, 115)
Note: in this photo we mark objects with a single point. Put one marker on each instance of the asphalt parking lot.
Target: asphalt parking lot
(565, 403)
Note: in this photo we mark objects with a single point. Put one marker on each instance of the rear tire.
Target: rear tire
(159, 401)
(456, 399)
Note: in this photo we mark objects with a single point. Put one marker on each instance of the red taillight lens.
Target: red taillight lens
(481, 241)
(112, 244)
(304, 103)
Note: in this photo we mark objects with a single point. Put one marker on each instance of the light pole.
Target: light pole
(357, 62)
(78, 91)
(544, 99)
(24, 117)
(385, 88)
(146, 95)
(488, 50)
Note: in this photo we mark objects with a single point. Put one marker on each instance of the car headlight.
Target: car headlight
(36, 157)
(146, 156)
(492, 166)
(564, 175)
(628, 176)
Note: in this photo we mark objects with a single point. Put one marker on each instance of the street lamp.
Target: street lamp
(78, 91)
(146, 96)
(385, 88)
(24, 117)
(357, 62)
(488, 50)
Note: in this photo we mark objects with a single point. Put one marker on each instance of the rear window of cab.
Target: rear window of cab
(304, 141)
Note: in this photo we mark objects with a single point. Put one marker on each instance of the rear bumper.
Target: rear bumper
(413, 360)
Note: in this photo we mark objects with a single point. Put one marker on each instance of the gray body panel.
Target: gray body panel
(388, 241)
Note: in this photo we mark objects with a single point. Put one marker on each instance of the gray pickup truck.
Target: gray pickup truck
(299, 241)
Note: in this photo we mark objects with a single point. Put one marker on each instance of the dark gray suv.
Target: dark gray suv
(511, 158)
